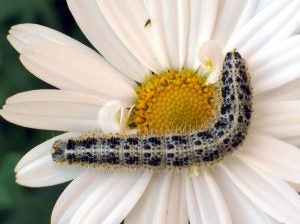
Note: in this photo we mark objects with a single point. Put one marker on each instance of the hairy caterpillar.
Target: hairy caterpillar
(173, 150)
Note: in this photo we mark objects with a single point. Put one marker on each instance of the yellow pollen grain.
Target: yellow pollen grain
(174, 102)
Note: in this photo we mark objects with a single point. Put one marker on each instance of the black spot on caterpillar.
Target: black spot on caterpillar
(174, 151)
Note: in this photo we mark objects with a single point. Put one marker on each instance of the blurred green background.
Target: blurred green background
(21, 204)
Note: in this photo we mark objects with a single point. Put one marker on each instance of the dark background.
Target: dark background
(20, 204)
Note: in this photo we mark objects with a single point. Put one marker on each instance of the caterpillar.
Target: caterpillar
(196, 148)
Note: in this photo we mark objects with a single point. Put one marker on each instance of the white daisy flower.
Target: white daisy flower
(258, 183)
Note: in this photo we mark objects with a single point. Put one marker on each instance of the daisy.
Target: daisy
(144, 39)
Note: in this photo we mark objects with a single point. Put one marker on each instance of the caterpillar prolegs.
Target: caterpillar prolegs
(195, 148)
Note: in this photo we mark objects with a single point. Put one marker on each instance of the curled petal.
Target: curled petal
(210, 57)
(110, 118)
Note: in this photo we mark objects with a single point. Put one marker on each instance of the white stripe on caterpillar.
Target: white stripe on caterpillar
(173, 150)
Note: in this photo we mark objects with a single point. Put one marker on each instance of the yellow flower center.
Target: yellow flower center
(174, 102)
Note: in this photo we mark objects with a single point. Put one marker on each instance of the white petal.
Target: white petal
(151, 208)
(281, 186)
(73, 69)
(169, 23)
(76, 193)
(121, 202)
(87, 195)
(202, 16)
(176, 209)
(54, 110)
(37, 169)
(282, 69)
(49, 123)
(277, 119)
(108, 117)
(289, 91)
(279, 49)
(280, 131)
(228, 19)
(54, 95)
(90, 19)
(242, 210)
(212, 206)
(271, 155)
(248, 10)
(277, 113)
(191, 200)
(183, 29)
(161, 202)
(274, 199)
(22, 35)
(289, 28)
(253, 36)
(128, 22)
(262, 4)
(160, 13)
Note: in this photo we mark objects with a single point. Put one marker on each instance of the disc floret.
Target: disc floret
(174, 102)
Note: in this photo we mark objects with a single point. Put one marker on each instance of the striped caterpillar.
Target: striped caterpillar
(196, 148)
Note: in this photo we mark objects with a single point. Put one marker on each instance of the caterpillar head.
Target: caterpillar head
(58, 150)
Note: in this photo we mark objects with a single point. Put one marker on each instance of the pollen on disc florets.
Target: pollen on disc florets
(174, 102)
